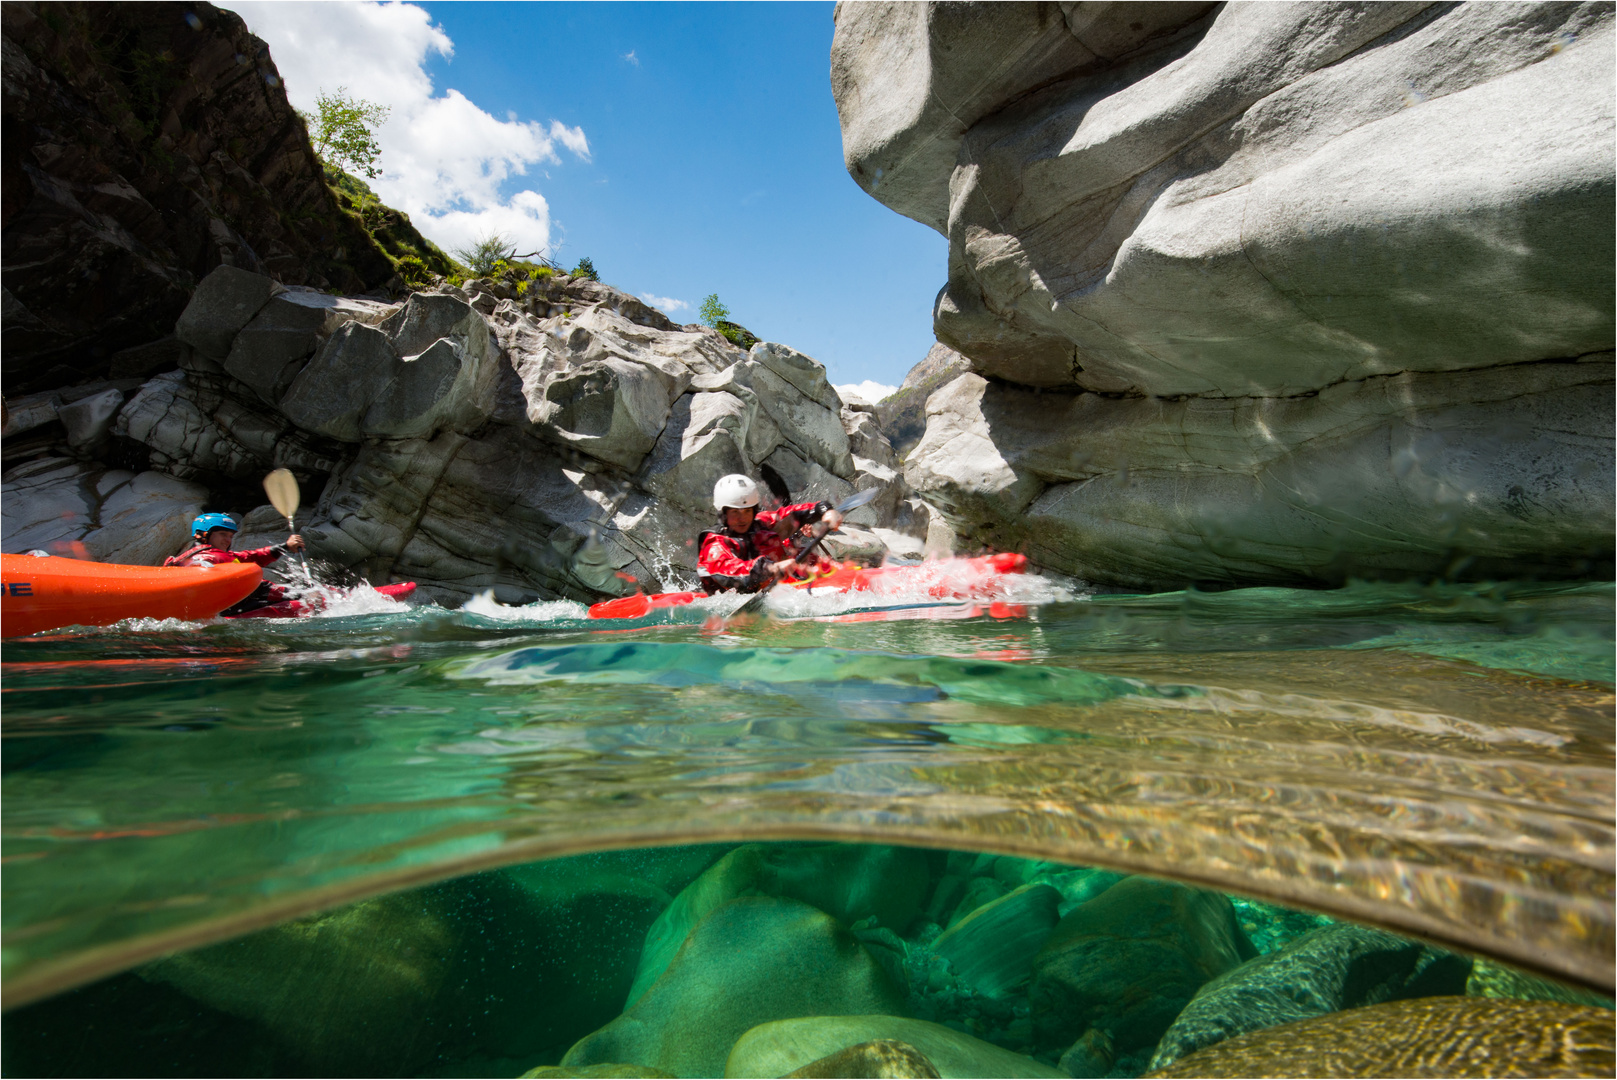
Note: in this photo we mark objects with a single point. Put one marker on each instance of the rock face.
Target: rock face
(1362, 249)
(544, 446)
(1441, 1036)
(1327, 970)
(144, 147)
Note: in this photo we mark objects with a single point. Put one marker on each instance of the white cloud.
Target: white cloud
(632, 58)
(445, 160)
(664, 303)
(869, 391)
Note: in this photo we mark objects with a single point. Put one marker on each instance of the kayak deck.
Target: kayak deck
(981, 578)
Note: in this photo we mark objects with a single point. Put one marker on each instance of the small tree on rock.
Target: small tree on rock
(712, 311)
(485, 252)
(586, 269)
(342, 131)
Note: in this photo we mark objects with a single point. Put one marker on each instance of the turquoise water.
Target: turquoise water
(1434, 760)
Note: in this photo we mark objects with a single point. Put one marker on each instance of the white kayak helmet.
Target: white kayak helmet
(735, 490)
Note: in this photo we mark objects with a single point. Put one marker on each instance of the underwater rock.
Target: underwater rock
(992, 949)
(1326, 970)
(978, 891)
(1129, 960)
(778, 1048)
(1258, 256)
(886, 1058)
(750, 961)
(1490, 979)
(391, 985)
(609, 1070)
(851, 882)
(1092, 1055)
(1436, 1037)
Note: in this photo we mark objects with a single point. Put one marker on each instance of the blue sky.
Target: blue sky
(686, 149)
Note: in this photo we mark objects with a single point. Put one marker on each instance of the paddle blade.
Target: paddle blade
(624, 607)
(282, 488)
(858, 499)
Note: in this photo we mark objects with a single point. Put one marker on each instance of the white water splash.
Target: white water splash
(538, 612)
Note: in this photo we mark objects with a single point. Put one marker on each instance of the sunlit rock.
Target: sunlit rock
(1258, 207)
(1326, 970)
(751, 960)
(1439, 1036)
(782, 1047)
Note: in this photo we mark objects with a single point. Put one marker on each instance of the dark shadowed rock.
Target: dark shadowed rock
(1428, 1037)
(145, 146)
(1326, 970)
(1129, 960)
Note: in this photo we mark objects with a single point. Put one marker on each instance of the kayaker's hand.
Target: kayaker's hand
(784, 567)
(294, 543)
(832, 520)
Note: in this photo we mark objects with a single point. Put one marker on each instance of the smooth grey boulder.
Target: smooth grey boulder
(119, 516)
(1510, 468)
(30, 411)
(269, 351)
(702, 441)
(224, 302)
(89, 419)
(611, 409)
(1324, 971)
(910, 79)
(332, 392)
(1271, 207)
(814, 430)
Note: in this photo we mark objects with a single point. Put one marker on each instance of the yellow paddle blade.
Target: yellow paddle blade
(282, 488)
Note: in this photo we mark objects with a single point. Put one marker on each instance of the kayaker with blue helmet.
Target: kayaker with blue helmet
(750, 548)
(211, 537)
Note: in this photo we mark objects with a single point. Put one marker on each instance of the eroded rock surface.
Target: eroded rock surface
(560, 444)
(1265, 216)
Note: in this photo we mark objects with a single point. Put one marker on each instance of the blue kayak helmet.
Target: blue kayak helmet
(206, 523)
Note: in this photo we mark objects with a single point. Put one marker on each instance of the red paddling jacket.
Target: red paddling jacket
(740, 561)
(208, 555)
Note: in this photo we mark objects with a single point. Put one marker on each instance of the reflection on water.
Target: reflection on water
(1437, 761)
(759, 959)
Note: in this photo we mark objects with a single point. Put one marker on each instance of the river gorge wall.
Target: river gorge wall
(189, 304)
(1257, 293)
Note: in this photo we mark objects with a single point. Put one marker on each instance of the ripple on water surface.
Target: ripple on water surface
(1438, 761)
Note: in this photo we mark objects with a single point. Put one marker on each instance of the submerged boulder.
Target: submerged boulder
(1128, 961)
(992, 948)
(794, 1047)
(1298, 284)
(879, 1057)
(751, 960)
(1437, 1037)
(852, 882)
(1326, 970)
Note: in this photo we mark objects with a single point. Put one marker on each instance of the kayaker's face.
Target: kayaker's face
(739, 518)
(221, 538)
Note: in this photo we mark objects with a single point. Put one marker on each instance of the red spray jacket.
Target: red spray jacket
(208, 555)
(731, 560)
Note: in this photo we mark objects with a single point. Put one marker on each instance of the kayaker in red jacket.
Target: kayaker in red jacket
(749, 549)
(211, 537)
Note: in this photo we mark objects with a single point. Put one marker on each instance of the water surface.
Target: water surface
(1435, 760)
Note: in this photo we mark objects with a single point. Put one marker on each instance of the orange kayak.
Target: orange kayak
(44, 592)
(978, 578)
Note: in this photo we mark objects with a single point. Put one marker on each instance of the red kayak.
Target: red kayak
(981, 578)
(292, 609)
